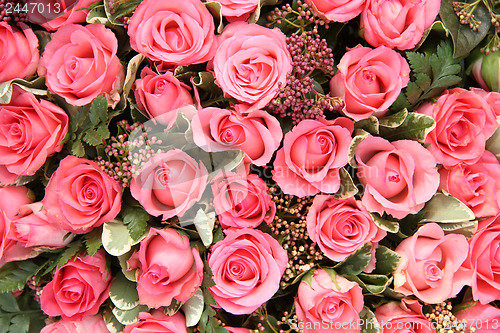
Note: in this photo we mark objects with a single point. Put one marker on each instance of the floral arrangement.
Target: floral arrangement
(249, 166)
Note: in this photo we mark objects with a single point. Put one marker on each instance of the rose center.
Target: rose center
(227, 135)
(162, 174)
(432, 271)
(160, 86)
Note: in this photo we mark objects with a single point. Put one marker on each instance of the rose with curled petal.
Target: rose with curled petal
(337, 10)
(57, 13)
(313, 153)
(87, 324)
(485, 318)
(238, 10)
(403, 317)
(158, 321)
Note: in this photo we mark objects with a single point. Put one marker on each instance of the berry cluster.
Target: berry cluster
(465, 12)
(10, 11)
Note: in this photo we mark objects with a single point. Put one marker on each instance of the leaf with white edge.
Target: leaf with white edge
(173, 308)
(113, 325)
(374, 284)
(369, 322)
(416, 126)
(132, 67)
(370, 125)
(216, 9)
(390, 226)
(128, 317)
(347, 186)
(356, 262)
(493, 144)
(254, 17)
(467, 228)
(193, 308)
(445, 208)
(123, 293)
(97, 15)
(36, 87)
(394, 120)
(204, 224)
(387, 260)
(359, 135)
(120, 9)
(116, 238)
(130, 275)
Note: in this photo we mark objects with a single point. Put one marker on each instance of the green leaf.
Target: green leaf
(20, 324)
(193, 308)
(371, 125)
(369, 321)
(120, 9)
(96, 136)
(130, 275)
(387, 260)
(394, 120)
(116, 238)
(5, 324)
(98, 110)
(356, 262)
(204, 224)
(390, 226)
(78, 149)
(209, 323)
(136, 219)
(372, 283)
(445, 208)
(69, 252)
(128, 317)
(123, 293)
(359, 135)
(347, 186)
(466, 228)
(113, 325)
(218, 235)
(97, 15)
(416, 126)
(8, 303)
(14, 275)
(132, 67)
(419, 63)
(93, 241)
(36, 87)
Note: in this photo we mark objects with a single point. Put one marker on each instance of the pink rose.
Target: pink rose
(328, 303)
(94, 324)
(402, 317)
(80, 196)
(30, 131)
(176, 33)
(169, 183)
(247, 267)
(167, 268)
(57, 13)
(312, 154)
(340, 227)
(337, 10)
(80, 64)
(430, 266)
(258, 134)
(242, 201)
(78, 288)
(399, 176)
(251, 63)
(464, 121)
(485, 318)
(369, 81)
(157, 321)
(398, 24)
(492, 98)
(238, 10)
(20, 53)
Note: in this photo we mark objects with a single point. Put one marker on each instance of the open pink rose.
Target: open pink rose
(430, 266)
(402, 317)
(169, 183)
(80, 63)
(247, 267)
(251, 63)
(369, 80)
(329, 303)
(30, 131)
(337, 10)
(93, 324)
(492, 98)
(78, 289)
(399, 176)
(57, 13)
(485, 318)
(238, 10)
(167, 268)
(80, 196)
(398, 24)
(179, 33)
(312, 154)
(157, 321)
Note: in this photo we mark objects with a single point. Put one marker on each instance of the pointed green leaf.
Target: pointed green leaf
(374, 284)
(69, 252)
(394, 120)
(136, 219)
(132, 67)
(387, 260)
(369, 321)
(193, 308)
(390, 226)
(14, 275)
(467, 228)
(123, 293)
(356, 262)
(116, 238)
(20, 323)
(359, 135)
(204, 224)
(93, 241)
(445, 208)
(419, 63)
(370, 125)
(416, 126)
(8, 303)
(347, 186)
(98, 110)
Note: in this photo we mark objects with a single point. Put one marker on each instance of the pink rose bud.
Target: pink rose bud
(485, 70)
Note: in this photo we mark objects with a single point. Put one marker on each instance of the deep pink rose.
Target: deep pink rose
(251, 63)
(258, 134)
(337, 10)
(464, 121)
(312, 154)
(80, 196)
(57, 13)
(430, 266)
(399, 176)
(238, 10)
(485, 318)
(402, 317)
(169, 183)
(88, 324)
(242, 201)
(398, 24)
(328, 303)
(20, 55)
(369, 80)
(157, 321)
(30, 131)
(78, 288)
(340, 227)
(247, 267)
(179, 33)
(167, 268)
(80, 64)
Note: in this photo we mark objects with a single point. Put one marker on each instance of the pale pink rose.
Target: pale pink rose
(430, 266)
(313, 153)
(169, 183)
(80, 196)
(369, 81)
(178, 33)
(337, 10)
(167, 268)
(476, 185)
(464, 121)
(30, 131)
(251, 63)
(326, 300)
(57, 13)
(80, 63)
(257, 134)
(398, 24)
(238, 10)
(247, 267)
(402, 317)
(78, 288)
(157, 321)
(87, 324)
(485, 318)
(398, 177)
(20, 55)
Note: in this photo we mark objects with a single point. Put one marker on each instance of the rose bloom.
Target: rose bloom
(430, 266)
(464, 121)
(398, 177)
(94, 324)
(247, 267)
(485, 318)
(80, 63)
(57, 13)
(251, 63)
(492, 98)
(167, 268)
(80, 196)
(175, 33)
(327, 300)
(30, 131)
(340, 227)
(397, 24)
(238, 10)
(258, 133)
(337, 10)
(78, 288)
(312, 154)
(169, 183)
(369, 80)
(403, 317)
(242, 201)
(20, 55)
(157, 321)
